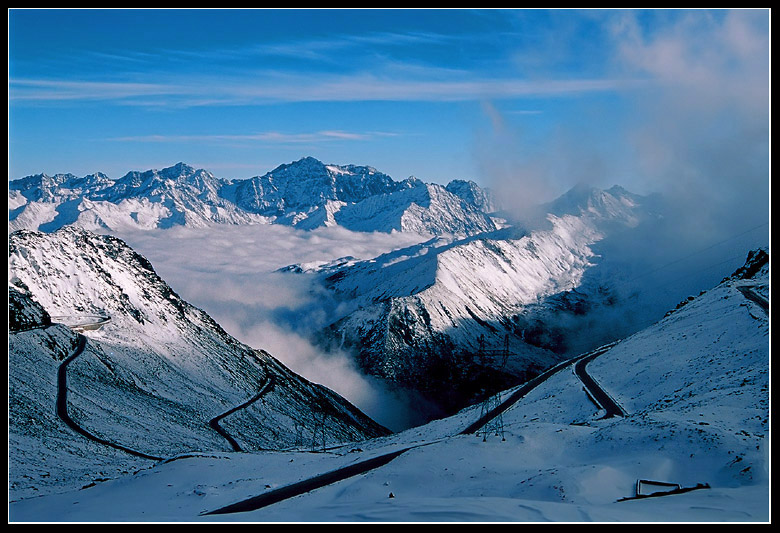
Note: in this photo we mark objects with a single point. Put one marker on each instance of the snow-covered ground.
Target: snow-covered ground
(151, 379)
(695, 387)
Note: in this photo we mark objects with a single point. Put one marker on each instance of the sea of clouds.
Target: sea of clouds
(231, 272)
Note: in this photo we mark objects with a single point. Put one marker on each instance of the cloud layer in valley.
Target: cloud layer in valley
(230, 272)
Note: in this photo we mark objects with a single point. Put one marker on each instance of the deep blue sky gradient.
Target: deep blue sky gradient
(439, 94)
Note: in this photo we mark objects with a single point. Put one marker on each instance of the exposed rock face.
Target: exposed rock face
(24, 313)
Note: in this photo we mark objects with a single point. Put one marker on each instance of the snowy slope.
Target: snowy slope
(695, 388)
(305, 193)
(153, 376)
(434, 301)
(419, 208)
(44, 456)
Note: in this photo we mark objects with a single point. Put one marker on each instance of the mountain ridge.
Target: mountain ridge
(447, 299)
(305, 193)
(152, 377)
(695, 391)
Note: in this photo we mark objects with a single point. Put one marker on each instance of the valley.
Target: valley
(145, 382)
(577, 464)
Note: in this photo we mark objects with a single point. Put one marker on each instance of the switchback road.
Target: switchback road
(599, 395)
(530, 385)
(62, 405)
(214, 422)
(307, 485)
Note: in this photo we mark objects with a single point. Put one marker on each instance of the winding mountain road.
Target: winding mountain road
(214, 422)
(532, 384)
(62, 405)
(594, 390)
(308, 485)
(748, 292)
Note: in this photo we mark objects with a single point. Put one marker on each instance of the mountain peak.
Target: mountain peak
(615, 203)
(180, 166)
(473, 194)
(289, 194)
(617, 190)
(305, 164)
(583, 194)
(178, 170)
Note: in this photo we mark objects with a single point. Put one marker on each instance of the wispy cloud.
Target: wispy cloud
(524, 112)
(40, 90)
(356, 66)
(268, 137)
(329, 49)
(268, 88)
(317, 52)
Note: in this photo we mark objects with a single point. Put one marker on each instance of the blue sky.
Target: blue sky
(554, 97)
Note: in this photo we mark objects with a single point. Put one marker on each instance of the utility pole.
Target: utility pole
(318, 431)
(491, 403)
(298, 436)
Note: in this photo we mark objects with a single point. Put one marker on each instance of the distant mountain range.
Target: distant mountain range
(421, 315)
(481, 304)
(305, 194)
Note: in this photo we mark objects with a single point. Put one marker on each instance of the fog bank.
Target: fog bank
(230, 272)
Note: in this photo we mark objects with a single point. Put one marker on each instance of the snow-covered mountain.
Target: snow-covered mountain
(694, 387)
(309, 194)
(422, 314)
(154, 374)
(473, 194)
(306, 194)
(305, 184)
(615, 206)
(418, 208)
(477, 308)
(178, 195)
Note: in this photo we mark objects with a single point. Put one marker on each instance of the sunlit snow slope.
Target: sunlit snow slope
(433, 305)
(695, 388)
(150, 379)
